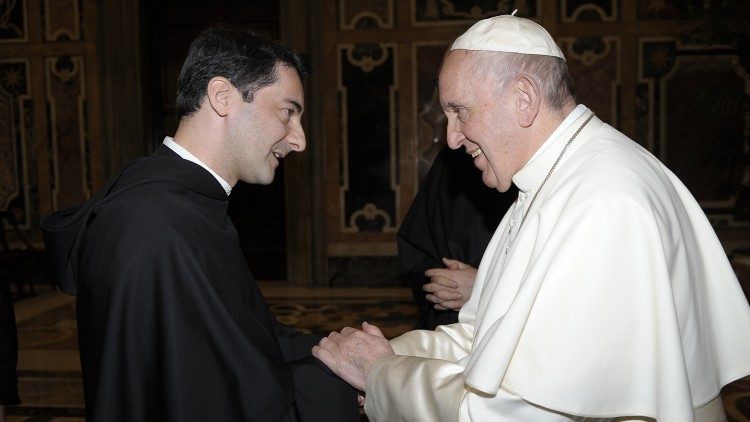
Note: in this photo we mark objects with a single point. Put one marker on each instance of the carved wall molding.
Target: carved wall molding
(15, 105)
(368, 196)
(452, 12)
(368, 14)
(13, 21)
(596, 60)
(696, 119)
(62, 20)
(589, 11)
(66, 94)
(50, 144)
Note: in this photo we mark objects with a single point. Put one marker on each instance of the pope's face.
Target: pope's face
(479, 117)
(267, 128)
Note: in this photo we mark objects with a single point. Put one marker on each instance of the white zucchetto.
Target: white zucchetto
(509, 34)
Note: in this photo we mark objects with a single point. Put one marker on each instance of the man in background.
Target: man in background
(444, 234)
(172, 325)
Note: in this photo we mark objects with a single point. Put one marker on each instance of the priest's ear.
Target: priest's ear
(528, 100)
(219, 93)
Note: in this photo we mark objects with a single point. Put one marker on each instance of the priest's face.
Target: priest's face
(268, 128)
(480, 118)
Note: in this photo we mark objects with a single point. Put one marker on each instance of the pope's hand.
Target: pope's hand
(351, 353)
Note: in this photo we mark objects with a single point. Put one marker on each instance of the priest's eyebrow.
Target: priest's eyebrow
(297, 106)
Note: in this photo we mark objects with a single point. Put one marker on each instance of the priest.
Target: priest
(604, 292)
(171, 323)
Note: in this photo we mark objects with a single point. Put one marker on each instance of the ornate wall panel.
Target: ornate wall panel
(61, 20)
(589, 11)
(691, 9)
(66, 94)
(369, 141)
(365, 14)
(13, 18)
(50, 145)
(696, 119)
(451, 12)
(595, 60)
(15, 110)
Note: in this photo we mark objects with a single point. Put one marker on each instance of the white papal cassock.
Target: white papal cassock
(615, 298)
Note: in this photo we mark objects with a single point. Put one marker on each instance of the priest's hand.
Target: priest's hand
(351, 353)
(450, 287)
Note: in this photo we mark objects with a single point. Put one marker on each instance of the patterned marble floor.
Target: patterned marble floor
(49, 369)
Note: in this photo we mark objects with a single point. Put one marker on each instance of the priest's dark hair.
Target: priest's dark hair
(248, 60)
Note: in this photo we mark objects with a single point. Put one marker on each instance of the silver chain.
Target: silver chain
(510, 241)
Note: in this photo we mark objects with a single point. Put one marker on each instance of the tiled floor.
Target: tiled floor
(49, 368)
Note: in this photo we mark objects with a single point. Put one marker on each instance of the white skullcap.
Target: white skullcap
(509, 34)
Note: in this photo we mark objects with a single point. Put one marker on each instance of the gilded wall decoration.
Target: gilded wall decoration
(369, 139)
(61, 20)
(689, 9)
(589, 11)
(15, 106)
(13, 21)
(444, 12)
(698, 119)
(66, 96)
(48, 109)
(365, 14)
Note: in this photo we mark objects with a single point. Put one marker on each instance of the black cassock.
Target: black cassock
(453, 215)
(172, 325)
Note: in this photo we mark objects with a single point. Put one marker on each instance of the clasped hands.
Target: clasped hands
(450, 287)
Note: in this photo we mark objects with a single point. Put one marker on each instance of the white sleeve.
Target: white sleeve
(409, 388)
(448, 342)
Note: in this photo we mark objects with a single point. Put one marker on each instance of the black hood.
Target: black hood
(64, 230)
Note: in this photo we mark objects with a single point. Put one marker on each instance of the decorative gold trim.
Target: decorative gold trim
(3, 21)
(469, 17)
(366, 14)
(370, 212)
(367, 63)
(344, 135)
(362, 249)
(24, 171)
(78, 68)
(586, 7)
(590, 58)
(650, 135)
(74, 35)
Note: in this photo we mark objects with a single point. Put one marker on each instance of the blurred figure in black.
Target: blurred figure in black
(445, 233)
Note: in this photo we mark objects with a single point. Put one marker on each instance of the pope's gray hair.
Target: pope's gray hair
(550, 73)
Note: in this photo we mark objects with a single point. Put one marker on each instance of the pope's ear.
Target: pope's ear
(219, 93)
(528, 100)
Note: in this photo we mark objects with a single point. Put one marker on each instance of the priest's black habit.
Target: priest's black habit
(171, 323)
(453, 215)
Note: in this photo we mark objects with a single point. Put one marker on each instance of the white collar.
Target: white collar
(182, 152)
(531, 175)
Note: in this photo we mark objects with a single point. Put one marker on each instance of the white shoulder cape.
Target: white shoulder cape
(616, 299)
